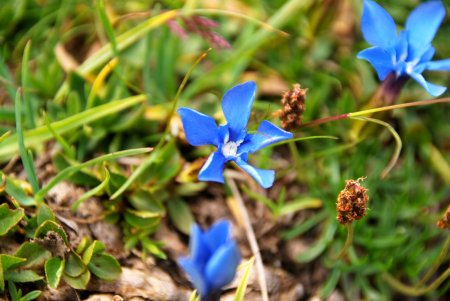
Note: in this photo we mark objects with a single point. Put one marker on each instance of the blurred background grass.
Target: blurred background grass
(317, 48)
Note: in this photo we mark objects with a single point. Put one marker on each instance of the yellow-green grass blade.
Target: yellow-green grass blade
(42, 134)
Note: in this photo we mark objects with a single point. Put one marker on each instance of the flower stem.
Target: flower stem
(325, 120)
(413, 290)
(436, 264)
(348, 241)
(251, 238)
(375, 110)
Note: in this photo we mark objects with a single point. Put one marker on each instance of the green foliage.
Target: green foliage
(9, 218)
(54, 268)
(181, 215)
(240, 292)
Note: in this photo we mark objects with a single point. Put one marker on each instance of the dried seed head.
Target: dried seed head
(293, 106)
(444, 222)
(352, 202)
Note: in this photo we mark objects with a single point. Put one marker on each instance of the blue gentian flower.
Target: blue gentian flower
(408, 53)
(231, 139)
(214, 258)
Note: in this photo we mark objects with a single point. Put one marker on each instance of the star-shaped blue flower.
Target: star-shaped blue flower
(231, 139)
(410, 52)
(214, 258)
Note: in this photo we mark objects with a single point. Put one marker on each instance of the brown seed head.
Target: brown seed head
(293, 106)
(352, 202)
(444, 222)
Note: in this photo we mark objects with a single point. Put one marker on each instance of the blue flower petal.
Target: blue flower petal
(195, 275)
(423, 23)
(267, 134)
(199, 128)
(441, 65)
(213, 168)
(236, 105)
(380, 59)
(434, 90)
(222, 266)
(428, 55)
(264, 177)
(197, 246)
(401, 49)
(377, 25)
(218, 235)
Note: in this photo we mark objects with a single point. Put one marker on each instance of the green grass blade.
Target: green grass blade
(147, 163)
(26, 157)
(25, 78)
(398, 143)
(4, 136)
(92, 192)
(6, 78)
(194, 296)
(300, 204)
(240, 292)
(67, 149)
(107, 26)
(67, 172)
(42, 134)
(245, 53)
(124, 40)
(303, 139)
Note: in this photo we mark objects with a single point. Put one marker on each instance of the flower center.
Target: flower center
(229, 149)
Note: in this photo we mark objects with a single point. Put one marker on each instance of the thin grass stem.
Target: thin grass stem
(251, 238)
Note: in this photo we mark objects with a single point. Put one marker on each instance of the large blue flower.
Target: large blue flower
(214, 258)
(232, 140)
(408, 53)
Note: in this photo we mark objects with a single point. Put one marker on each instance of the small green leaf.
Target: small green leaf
(9, 218)
(142, 219)
(153, 247)
(45, 214)
(50, 226)
(31, 295)
(181, 215)
(10, 262)
(74, 266)
(240, 292)
(17, 192)
(7, 262)
(54, 268)
(13, 291)
(34, 254)
(79, 282)
(145, 201)
(22, 276)
(95, 248)
(299, 204)
(105, 267)
(83, 244)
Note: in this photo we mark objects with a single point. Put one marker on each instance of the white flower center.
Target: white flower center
(410, 67)
(229, 149)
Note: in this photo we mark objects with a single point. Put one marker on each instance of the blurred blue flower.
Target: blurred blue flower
(231, 139)
(214, 258)
(408, 53)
